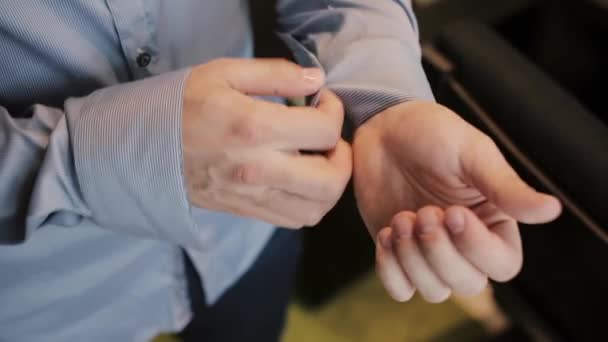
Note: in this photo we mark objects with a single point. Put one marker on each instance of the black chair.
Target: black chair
(558, 146)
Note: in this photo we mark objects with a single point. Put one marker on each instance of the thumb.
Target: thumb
(270, 77)
(491, 174)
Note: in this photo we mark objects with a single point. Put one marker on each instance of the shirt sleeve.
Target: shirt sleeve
(368, 49)
(112, 157)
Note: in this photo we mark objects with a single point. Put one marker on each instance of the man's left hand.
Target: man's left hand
(441, 202)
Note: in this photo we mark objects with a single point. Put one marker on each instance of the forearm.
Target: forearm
(112, 157)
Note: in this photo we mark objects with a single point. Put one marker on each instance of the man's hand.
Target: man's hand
(441, 202)
(241, 154)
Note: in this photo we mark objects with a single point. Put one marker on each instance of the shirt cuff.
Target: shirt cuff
(370, 75)
(377, 73)
(127, 145)
(361, 104)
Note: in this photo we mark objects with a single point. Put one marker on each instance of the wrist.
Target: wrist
(379, 122)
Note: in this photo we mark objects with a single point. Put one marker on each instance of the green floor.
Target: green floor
(364, 313)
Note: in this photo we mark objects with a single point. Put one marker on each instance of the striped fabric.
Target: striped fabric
(369, 50)
(144, 168)
(364, 103)
(93, 210)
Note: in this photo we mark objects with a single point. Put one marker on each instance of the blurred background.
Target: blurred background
(532, 74)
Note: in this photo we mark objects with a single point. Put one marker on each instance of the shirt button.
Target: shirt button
(143, 59)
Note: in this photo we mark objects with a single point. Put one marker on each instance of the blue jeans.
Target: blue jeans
(254, 308)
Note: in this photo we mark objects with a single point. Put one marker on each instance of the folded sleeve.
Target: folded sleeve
(368, 49)
(112, 157)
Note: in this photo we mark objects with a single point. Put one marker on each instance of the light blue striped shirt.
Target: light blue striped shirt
(93, 210)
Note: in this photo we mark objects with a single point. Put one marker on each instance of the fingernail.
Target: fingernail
(455, 221)
(427, 222)
(385, 240)
(403, 229)
(312, 75)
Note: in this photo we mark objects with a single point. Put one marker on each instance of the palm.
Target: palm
(414, 167)
(411, 163)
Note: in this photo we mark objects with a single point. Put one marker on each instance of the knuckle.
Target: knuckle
(246, 130)
(216, 101)
(245, 174)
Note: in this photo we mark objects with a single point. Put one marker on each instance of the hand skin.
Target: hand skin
(441, 202)
(241, 154)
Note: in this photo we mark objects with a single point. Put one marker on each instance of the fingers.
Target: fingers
(313, 177)
(265, 76)
(440, 252)
(230, 138)
(388, 269)
(236, 204)
(341, 161)
(277, 126)
(307, 128)
(271, 205)
(495, 251)
(300, 211)
(285, 189)
(217, 96)
(413, 261)
(497, 181)
(331, 105)
(445, 260)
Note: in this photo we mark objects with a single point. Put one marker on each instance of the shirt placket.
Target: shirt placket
(136, 31)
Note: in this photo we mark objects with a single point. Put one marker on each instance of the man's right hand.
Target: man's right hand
(242, 154)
